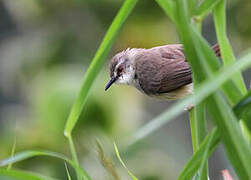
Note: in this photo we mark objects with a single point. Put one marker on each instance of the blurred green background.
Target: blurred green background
(45, 49)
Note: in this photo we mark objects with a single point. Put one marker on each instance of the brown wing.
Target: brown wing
(163, 69)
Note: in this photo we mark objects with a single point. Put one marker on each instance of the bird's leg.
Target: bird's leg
(189, 107)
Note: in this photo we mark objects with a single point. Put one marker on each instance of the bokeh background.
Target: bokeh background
(45, 49)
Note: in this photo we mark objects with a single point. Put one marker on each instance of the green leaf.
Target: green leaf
(74, 155)
(96, 64)
(204, 90)
(194, 163)
(192, 166)
(203, 63)
(210, 64)
(243, 109)
(123, 164)
(205, 8)
(192, 6)
(237, 148)
(219, 14)
(93, 71)
(198, 126)
(169, 8)
(21, 175)
(12, 152)
(29, 154)
(203, 165)
(202, 67)
(67, 171)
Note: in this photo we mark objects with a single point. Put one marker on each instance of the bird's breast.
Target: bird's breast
(176, 94)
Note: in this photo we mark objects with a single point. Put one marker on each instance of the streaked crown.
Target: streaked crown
(122, 68)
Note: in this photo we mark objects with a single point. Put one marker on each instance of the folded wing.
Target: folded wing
(163, 69)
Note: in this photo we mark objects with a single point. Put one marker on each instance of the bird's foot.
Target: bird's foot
(189, 107)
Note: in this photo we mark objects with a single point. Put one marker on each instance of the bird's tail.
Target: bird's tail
(216, 49)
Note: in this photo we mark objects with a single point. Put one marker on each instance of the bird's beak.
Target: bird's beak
(112, 80)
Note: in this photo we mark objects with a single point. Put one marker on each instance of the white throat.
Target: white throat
(127, 77)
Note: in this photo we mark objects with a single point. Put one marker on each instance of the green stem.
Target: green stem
(74, 155)
(198, 120)
(226, 50)
(199, 131)
(169, 8)
(194, 163)
(193, 128)
(97, 63)
(198, 125)
(12, 152)
(245, 131)
(219, 14)
(93, 71)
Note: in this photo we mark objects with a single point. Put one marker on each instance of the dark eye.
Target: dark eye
(119, 70)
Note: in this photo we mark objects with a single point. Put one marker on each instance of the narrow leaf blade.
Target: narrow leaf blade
(29, 154)
(123, 164)
(96, 64)
(21, 175)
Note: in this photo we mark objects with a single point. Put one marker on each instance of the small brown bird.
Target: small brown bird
(160, 72)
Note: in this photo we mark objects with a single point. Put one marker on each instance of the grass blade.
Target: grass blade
(210, 64)
(205, 8)
(123, 164)
(198, 125)
(21, 175)
(203, 63)
(202, 68)
(193, 164)
(106, 162)
(211, 141)
(74, 155)
(29, 154)
(193, 126)
(235, 144)
(198, 130)
(242, 109)
(169, 8)
(219, 14)
(93, 71)
(96, 64)
(67, 171)
(192, 6)
(204, 90)
(237, 149)
(203, 174)
(12, 152)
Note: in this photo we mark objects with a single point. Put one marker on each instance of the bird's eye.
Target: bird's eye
(119, 70)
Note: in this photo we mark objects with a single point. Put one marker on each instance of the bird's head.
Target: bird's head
(122, 68)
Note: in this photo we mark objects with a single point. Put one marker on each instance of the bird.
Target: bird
(160, 72)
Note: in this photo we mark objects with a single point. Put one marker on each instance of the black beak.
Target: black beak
(112, 80)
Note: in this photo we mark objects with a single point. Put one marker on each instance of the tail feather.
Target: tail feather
(216, 49)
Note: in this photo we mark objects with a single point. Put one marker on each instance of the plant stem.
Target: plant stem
(198, 125)
(93, 71)
(198, 120)
(168, 7)
(219, 15)
(74, 154)
(97, 63)
(226, 50)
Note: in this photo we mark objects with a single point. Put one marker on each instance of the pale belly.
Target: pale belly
(177, 94)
